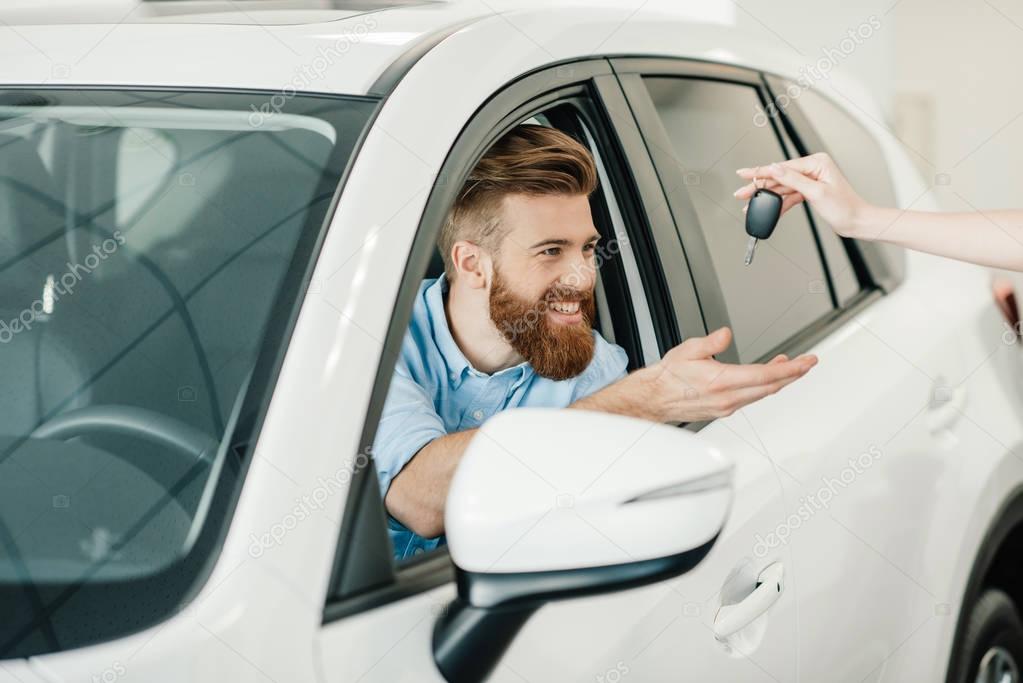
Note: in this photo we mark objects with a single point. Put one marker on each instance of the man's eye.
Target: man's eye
(589, 247)
(552, 251)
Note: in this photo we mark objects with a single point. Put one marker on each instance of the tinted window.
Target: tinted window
(144, 240)
(861, 159)
(713, 131)
(852, 146)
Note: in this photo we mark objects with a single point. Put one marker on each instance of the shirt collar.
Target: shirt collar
(457, 363)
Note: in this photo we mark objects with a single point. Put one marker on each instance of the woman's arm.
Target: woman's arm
(987, 238)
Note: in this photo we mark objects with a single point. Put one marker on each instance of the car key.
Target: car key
(762, 214)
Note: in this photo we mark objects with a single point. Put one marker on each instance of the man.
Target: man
(509, 324)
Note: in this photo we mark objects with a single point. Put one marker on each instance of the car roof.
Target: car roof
(225, 12)
(345, 46)
(334, 46)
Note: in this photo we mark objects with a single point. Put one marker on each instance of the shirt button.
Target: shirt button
(418, 551)
(478, 414)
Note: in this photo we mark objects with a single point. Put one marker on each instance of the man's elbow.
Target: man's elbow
(419, 519)
(427, 526)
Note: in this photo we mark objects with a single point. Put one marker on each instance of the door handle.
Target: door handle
(733, 618)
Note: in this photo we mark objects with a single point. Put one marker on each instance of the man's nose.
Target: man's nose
(580, 275)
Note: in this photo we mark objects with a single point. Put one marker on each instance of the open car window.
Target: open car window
(623, 317)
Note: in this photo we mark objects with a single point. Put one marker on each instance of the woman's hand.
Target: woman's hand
(815, 179)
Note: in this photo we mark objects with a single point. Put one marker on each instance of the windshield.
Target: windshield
(152, 249)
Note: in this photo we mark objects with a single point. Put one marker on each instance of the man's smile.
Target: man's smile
(565, 312)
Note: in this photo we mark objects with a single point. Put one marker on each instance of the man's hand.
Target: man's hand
(688, 385)
(816, 179)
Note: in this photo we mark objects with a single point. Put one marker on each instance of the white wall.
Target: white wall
(966, 58)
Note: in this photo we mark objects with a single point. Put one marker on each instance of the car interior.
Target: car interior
(142, 294)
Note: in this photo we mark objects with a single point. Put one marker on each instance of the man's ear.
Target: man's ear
(472, 264)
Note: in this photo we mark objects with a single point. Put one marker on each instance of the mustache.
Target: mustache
(564, 293)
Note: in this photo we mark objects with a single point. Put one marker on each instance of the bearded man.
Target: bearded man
(509, 324)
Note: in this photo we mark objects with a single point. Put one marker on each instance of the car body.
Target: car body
(917, 392)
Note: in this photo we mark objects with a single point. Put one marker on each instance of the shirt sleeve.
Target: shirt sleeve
(610, 363)
(408, 422)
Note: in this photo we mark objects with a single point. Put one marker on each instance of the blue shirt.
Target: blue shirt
(435, 391)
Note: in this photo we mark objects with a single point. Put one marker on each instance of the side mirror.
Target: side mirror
(549, 504)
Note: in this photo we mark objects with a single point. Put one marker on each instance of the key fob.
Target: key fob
(763, 213)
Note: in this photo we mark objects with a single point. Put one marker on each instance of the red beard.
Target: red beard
(556, 351)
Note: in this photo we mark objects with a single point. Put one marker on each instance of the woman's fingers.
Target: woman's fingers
(792, 199)
(746, 191)
(796, 180)
(797, 174)
(810, 165)
(789, 196)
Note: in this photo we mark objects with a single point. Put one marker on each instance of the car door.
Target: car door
(857, 442)
(662, 631)
(931, 348)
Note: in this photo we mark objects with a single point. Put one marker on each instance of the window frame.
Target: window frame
(642, 320)
(630, 71)
(364, 575)
(874, 265)
(575, 116)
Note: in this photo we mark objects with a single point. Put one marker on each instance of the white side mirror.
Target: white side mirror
(544, 489)
(551, 503)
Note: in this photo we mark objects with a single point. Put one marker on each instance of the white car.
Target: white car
(213, 220)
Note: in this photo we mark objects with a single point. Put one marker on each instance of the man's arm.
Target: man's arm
(686, 385)
(416, 497)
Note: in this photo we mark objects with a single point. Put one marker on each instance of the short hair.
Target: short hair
(532, 160)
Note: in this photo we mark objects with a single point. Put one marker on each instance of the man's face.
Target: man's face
(541, 295)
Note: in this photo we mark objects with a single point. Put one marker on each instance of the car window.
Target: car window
(836, 257)
(619, 300)
(627, 256)
(861, 159)
(713, 131)
(851, 145)
(144, 240)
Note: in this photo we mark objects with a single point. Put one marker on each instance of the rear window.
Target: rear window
(150, 242)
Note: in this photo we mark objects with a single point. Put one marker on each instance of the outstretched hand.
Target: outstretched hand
(694, 386)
